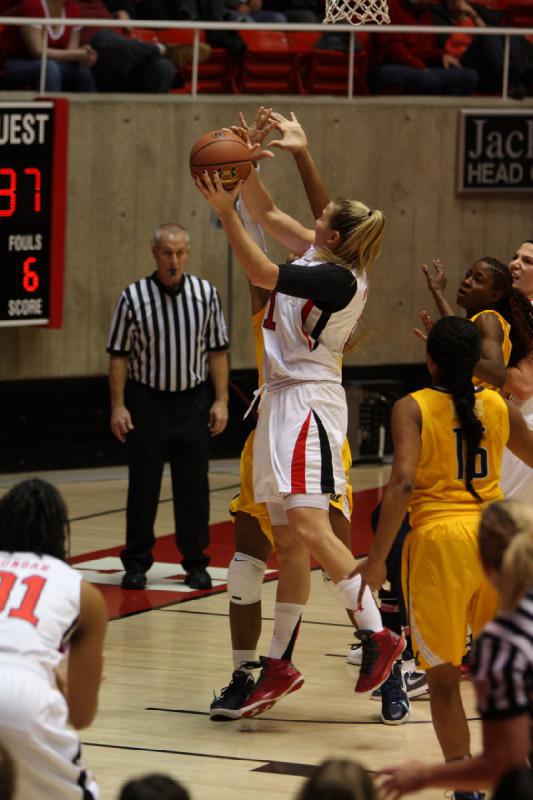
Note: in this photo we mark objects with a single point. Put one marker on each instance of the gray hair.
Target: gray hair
(170, 227)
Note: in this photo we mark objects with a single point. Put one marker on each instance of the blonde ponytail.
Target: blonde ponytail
(361, 232)
(506, 545)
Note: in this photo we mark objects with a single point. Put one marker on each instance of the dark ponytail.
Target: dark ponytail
(454, 345)
(515, 307)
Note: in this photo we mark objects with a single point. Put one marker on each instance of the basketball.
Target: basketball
(221, 152)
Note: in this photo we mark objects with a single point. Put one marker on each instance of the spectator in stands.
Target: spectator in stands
(153, 787)
(125, 64)
(252, 11)
(338, 778)
(68, 66)
(484, 54)
(415, 61)
(298, 10)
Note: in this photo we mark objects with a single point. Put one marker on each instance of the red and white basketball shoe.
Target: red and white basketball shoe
(380, 651)
(278, 677)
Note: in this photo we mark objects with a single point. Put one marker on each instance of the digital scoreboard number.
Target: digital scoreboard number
(33, 151)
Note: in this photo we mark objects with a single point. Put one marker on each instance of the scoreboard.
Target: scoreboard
(33, 153)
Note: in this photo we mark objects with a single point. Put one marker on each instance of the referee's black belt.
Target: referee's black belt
(143, 387)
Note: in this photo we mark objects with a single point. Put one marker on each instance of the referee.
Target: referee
(167, 334)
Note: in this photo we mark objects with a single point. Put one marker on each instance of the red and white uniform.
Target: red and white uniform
(303, 419)
(39, 608)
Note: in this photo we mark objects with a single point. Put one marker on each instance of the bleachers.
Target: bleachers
(289, 62)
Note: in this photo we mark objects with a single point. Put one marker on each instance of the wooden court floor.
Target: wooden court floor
(165, 657)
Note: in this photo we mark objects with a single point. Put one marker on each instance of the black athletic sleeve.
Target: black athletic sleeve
(329, 286)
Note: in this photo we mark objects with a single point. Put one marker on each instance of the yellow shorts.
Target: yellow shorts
(445, 588)
(244, 501)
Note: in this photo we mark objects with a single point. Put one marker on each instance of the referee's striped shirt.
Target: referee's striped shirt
(502, 664)
(167, 336)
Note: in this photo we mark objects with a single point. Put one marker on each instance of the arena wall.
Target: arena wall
(128, 171)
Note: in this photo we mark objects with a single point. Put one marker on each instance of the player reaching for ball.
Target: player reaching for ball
(314, 306)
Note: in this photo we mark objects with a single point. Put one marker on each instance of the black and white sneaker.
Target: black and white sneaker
(468, 796)
(414, 682)
(228, 705)
(395, 708)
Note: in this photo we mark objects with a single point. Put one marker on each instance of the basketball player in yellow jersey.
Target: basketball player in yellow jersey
(500, 311)
(448, 445)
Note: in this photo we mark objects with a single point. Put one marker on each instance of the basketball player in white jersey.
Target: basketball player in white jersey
(517, 477)
(314, 306)
(46, 610)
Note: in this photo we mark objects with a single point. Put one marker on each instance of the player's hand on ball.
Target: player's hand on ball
(293, 136)
(220, 199)
(256, 151)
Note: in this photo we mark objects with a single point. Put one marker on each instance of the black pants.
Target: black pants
(173, 427)
(127, 65)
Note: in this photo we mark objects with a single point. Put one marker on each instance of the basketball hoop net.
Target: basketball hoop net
(357, 12)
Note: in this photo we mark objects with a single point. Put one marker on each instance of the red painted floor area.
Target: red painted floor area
(124, 603)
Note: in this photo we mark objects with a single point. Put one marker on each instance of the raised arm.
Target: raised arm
(490, 367)
(294, 140)
(436, 282)
(281, 226)
(258, 296)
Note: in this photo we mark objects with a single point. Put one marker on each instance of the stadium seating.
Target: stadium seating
(268, 65)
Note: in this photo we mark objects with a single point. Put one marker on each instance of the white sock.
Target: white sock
(346, 592)
(287, 618)
(241, 656)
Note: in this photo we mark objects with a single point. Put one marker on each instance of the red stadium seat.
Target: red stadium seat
(326, 71)
(268, 64)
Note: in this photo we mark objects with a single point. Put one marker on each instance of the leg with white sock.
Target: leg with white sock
(310, 525)
(245, 579)
(278, 675)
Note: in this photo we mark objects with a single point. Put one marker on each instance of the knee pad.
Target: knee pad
(245, 579)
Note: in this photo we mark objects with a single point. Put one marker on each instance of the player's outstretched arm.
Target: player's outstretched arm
(85, 661)
(257, 266)
(261, 207)
(294, 140)
(490, 367)
(436, 282)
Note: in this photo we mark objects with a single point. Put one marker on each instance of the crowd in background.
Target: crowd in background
(90, 60)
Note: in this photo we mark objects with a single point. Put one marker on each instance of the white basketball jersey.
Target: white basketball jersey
(39, 607)
(302, 342)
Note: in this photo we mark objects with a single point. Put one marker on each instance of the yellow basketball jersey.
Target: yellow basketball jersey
(506, 344)
(440, 486)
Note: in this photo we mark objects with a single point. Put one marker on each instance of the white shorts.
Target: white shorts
(298, 441)
(33, 727)
(516, 478)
